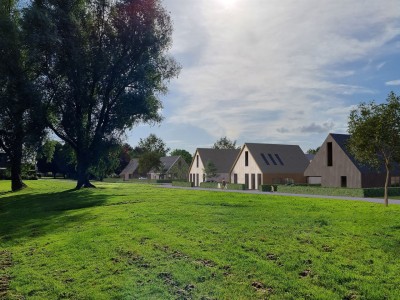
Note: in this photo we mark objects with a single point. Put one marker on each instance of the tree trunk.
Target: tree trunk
(16, 169)
(386, 200)
(83, 172)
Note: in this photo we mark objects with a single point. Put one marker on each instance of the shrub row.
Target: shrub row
(379, 192)
(235, 186)
(162, 180)
(316, 190)
(267, 187)
(209, 185)
(183, 183)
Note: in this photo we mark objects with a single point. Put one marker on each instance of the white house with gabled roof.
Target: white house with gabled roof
(223, 160)
(269, 164)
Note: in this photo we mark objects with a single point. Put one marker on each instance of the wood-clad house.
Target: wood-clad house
(336, 167)
(269, 164)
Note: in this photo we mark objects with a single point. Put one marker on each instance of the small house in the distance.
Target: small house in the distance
(269, 164)
(131, 170)
(172, 167)
(221, 159)
(334, 166)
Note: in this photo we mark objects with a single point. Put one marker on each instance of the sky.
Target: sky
(275, 71)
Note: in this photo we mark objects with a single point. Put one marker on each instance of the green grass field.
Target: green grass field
(132, 241)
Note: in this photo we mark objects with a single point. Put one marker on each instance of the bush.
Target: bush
(183, 183)
(267, 187)
(235, 186)
(379, 192)
(317, 190)
(209, 185)
(163, 181)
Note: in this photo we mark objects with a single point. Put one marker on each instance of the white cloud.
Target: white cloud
(393, 82)
(250, 70)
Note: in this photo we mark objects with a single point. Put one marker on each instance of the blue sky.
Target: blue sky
(276, 71)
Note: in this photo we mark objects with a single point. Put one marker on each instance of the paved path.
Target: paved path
(372, 200)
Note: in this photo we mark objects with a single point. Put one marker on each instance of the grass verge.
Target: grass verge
(132, 241)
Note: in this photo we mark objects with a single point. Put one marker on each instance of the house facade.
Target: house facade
(336, 167)
(259, 164)
(172, 167)
(131, 170)
(222, 159)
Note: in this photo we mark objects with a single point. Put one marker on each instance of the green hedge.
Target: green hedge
(379, 192)
(163, 180)
(209, 185)
(331, 191)
(182, 183)
(267, 187)
(316, 190)
(235, 186)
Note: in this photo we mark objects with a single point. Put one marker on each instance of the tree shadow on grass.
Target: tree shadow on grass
(31, 215)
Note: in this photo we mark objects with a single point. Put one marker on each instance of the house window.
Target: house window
(259, 179)
(395, 181)
(197, 161)
(190, 177)
(265, 159)
(246, 158)
(343, 181)
(279, 159)
(204, 177)
(329, 154)
(235, 178)
(272, 159)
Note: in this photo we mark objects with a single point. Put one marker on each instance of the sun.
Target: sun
(228, 3)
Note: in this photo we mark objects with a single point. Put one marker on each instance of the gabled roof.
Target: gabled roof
(168, 162)
(223, 159)
(131, 167)
(341, 140)
(276, 158)
(310, 156)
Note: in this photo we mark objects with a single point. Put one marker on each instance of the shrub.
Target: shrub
(267, 187)
(209, 185)
(163, 181)
(379, 192)
(183, 183)
(235, 186)
(316, 190)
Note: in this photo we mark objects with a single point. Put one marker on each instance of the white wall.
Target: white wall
(240, 169)
(197, 170)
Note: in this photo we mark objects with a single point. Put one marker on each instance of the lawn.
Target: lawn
(133, 241)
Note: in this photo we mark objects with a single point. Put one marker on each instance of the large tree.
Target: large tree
(185, 155)
(19, 111)
(375, 135)
(153, 144)
(150, 150)
(102, 66)
(225, 143)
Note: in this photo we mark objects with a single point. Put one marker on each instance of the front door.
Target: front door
(253, 181)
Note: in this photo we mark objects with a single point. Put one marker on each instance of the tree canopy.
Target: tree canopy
(20, 115)
(225, 143)
(185, 155)
(375, 135)
(102, 66)
(210, 169)
(153, 144)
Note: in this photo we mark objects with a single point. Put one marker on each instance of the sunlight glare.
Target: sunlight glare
(228, 3)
